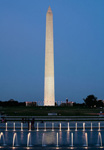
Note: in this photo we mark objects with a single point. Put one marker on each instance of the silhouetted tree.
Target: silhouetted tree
(99, 103)
(11, 102)
(90, 100)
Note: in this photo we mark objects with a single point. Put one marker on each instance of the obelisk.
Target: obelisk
(49, 91)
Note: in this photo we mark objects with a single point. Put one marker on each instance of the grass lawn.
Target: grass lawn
(43, 111)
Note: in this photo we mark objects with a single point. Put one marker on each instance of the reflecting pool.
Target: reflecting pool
(52, 135)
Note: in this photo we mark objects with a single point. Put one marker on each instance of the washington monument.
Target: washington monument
(49, 91)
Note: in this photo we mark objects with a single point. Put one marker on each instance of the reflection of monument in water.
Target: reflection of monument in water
(49, 93)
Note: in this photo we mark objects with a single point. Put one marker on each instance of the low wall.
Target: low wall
(54, 118)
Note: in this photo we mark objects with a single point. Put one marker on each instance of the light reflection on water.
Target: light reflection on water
(60, 137)
(75, 137)
(21, 137)
(50, 138)
(68, 133)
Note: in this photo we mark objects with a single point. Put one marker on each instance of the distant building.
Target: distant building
(31, 103)
(11, 100)
(67, 103)
(70, 103)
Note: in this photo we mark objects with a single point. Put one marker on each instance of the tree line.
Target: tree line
(90, 101)
(11, 102)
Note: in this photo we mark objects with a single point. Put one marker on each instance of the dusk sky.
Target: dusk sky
(78, 49)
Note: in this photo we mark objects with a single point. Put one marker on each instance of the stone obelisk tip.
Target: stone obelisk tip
(49, 9)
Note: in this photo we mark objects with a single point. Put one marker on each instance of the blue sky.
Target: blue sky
(78, 49)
